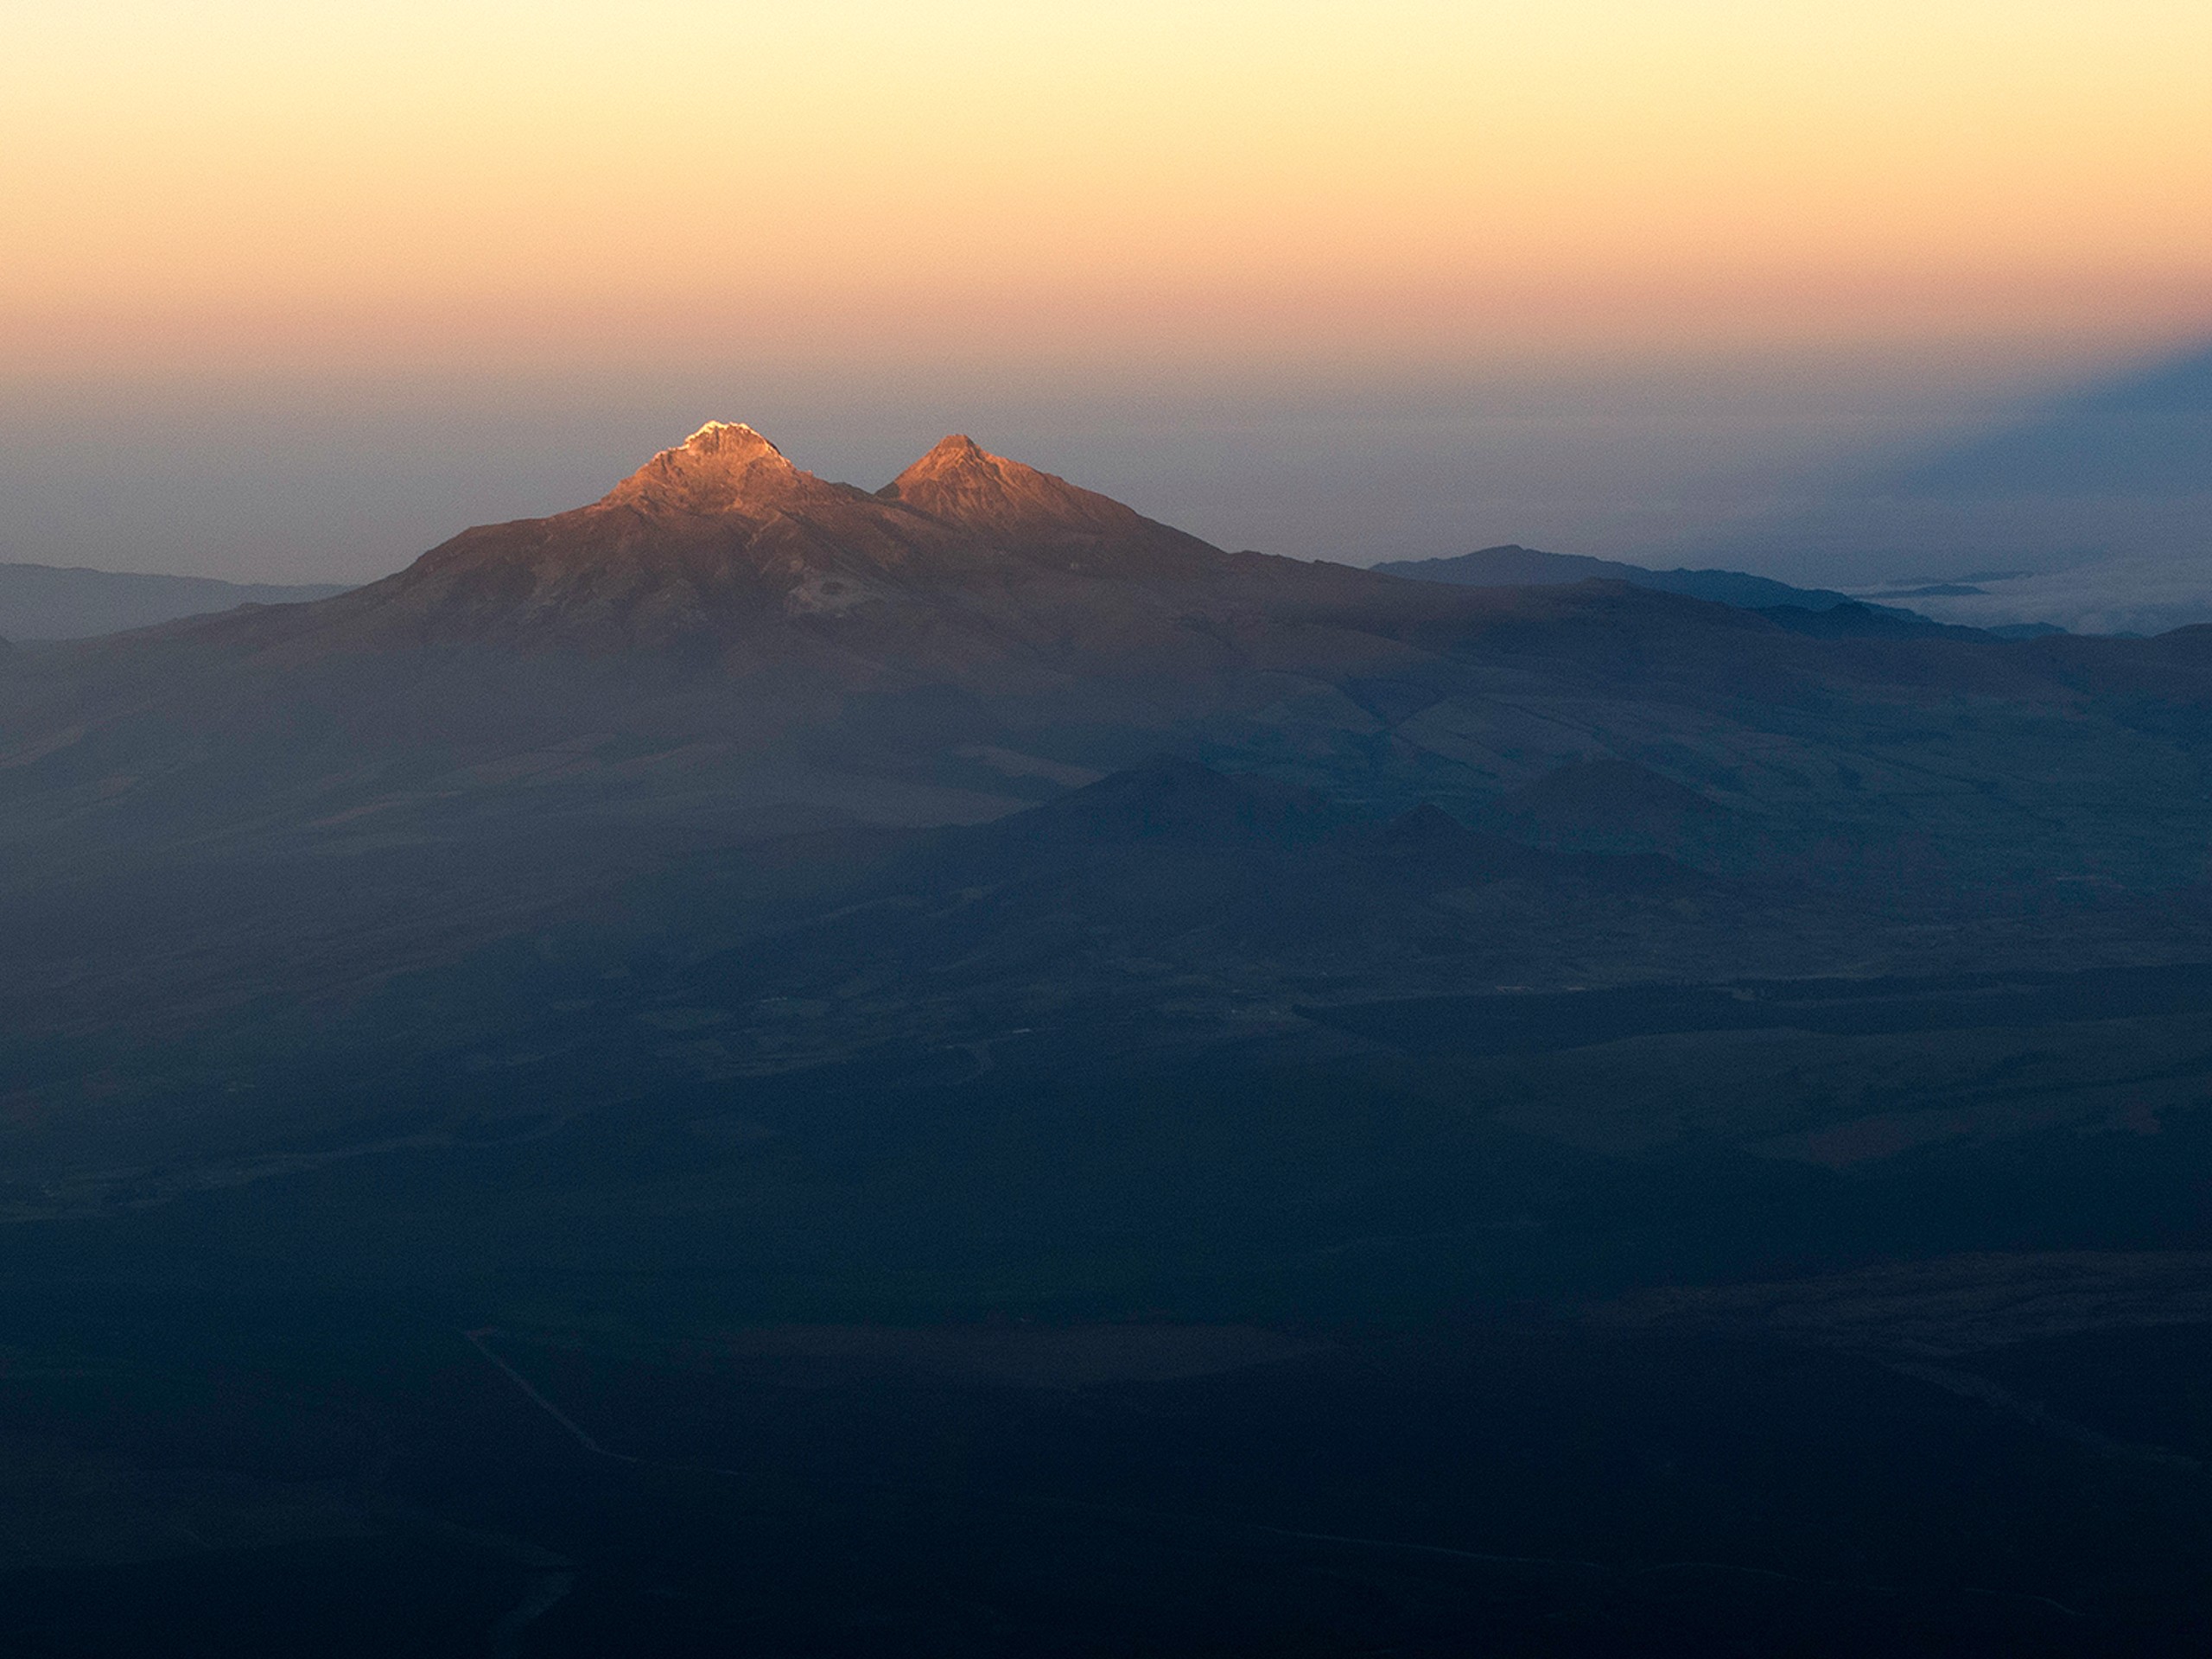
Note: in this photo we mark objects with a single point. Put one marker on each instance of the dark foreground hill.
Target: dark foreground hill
(1155, 1215)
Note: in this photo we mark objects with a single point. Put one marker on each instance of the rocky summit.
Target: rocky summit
(712, 548)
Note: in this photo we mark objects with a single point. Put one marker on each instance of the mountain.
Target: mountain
(721, 549)
(959, 483)
(43, 601)
(951, 1069)
(724, 650)
(724, 625)
(1513, 566)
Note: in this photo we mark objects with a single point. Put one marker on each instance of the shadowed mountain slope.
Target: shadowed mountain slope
(1592, 794)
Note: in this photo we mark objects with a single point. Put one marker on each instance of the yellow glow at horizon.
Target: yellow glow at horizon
(352, 180)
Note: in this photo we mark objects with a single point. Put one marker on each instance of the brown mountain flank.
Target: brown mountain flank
(721, 625)
(715, 548)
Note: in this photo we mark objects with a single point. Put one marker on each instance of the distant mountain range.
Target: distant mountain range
(1513, 566)
(45, 602)
(1803, 609)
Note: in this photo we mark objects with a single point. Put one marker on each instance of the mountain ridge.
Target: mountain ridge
(725, 639)
(721, 548)
(1512, 565)
(45, 602)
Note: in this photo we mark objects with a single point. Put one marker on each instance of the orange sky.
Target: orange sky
(544, 184)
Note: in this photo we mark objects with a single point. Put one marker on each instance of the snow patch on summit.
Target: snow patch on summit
(723, 468)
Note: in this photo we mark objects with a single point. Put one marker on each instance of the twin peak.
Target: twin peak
(728, 468)
(732, 449)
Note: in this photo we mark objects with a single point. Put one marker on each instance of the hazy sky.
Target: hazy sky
(1581, 271)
